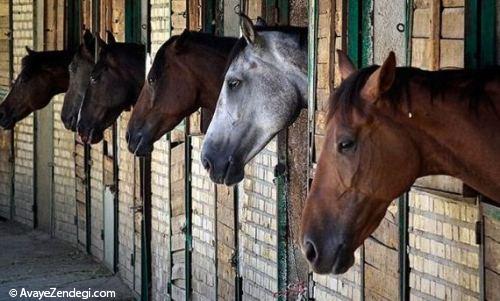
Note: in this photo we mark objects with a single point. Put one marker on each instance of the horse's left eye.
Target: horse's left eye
(93, 79)
(233, 83)
(151, 80)
(346, 145)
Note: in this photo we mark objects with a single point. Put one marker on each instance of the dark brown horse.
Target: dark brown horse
(388, 126)
(115, 84)
(187, 74)
(43, 75)
(79, 75)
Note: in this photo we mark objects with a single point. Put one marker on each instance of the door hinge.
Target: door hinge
(479, 232)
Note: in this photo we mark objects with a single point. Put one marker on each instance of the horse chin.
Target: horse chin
(234, 174)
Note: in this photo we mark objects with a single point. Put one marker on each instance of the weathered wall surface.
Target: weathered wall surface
(160, 173)
(5, 136)
(23, 133)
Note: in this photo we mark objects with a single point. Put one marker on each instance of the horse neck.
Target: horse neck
(210, 76)
(291, 58)
(456, 141)
(136, 74)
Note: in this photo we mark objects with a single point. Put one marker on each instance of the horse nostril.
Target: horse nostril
(310, 251)
(206, 163)
(127, 137)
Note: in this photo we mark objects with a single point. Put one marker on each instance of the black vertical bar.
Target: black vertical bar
(404, 263)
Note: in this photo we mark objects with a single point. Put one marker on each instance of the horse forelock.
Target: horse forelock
(241, 44)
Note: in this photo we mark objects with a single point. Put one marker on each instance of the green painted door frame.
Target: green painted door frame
(480, 52)
(137, 22)
(480, 34)
(312, 53)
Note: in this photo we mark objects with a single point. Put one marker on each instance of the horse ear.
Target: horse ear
(181, 40)
(88, 40)
(100, 42)
(381, 80)
(29, 50)
(346, 66)
(248, 30)
(110, 37)
(260, 22)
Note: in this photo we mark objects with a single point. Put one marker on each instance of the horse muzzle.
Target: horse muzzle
(327, 256)
(223, 169)
(139, 144)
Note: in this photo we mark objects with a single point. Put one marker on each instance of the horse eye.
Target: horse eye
(346, 145)
(151, 80)
(93, 79)
(233, 83)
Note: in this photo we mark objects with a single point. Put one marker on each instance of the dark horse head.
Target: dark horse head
(187, 74)
(79, 73)
(115, 84)
(43, 75)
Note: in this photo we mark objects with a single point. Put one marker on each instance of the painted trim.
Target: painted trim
(312, 53)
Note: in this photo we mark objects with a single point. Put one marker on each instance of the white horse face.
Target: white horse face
(260, 96)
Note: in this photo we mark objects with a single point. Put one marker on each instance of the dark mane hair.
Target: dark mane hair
(470, 85)
(215, 44)
(242, 43)
(40, 59)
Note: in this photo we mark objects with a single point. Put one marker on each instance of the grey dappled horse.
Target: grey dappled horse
(264, 89)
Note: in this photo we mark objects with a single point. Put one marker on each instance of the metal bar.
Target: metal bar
(188, 210)
(408, 31)
(404, 266)
(116, 214)
(311, 102)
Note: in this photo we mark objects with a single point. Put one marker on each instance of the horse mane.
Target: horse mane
(53, 58)
(241, 44)
(469, 83)
(220, 45)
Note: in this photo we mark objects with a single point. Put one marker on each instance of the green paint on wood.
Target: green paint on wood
(488, 33)
(132, 21)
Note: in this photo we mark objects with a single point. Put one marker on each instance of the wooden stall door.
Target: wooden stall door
(50, 36)
(491, 251)
(6, 137)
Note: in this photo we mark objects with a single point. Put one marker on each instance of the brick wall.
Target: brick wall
(258, 234)
(4, 44)
(203, 216)
(128, 196)
(160, 173)
(23, 133)
(96, 200)
(64, 178)
(444, 257)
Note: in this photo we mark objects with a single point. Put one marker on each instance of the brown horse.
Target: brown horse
(187, 74)
(388, 126)
(43, 75)
(79, 74)
(115, 84)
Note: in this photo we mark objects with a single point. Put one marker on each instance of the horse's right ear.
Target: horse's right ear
(346, 66)
(248, 30)
(181, 40)
(110, 37)
(260, 22)
(88, 40)
(29, 50)
(100, 41)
